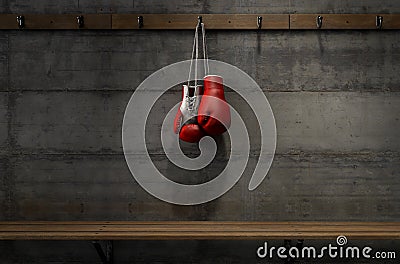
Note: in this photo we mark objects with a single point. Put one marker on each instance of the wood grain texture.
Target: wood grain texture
(391, 21)
(211, 21)
(196, 230)
(344, 21)
(8, 21)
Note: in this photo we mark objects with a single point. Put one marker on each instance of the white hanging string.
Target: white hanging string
(195, 54)
(206, 65)
(191, 59)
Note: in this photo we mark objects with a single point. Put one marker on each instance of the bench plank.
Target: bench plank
(195, 230)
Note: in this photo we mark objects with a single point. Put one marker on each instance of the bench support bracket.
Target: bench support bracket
(107, 255)
(287, 243)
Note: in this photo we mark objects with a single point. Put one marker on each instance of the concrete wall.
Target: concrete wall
(335, 96)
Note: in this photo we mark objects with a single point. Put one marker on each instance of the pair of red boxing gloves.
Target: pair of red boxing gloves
(202, 112)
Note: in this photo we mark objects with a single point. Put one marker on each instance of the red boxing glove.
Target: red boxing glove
(185, 122)
(214, 115)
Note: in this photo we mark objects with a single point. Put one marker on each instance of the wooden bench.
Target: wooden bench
(192, 230)
(195, 230)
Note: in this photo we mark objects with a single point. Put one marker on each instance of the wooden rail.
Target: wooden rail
(211, 21)
(49, 21)
(189, 21)
(196, 230)
(345, 21)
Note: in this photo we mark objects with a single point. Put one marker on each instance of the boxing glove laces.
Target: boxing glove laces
(185, 122)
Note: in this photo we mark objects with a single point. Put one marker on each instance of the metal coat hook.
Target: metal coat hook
(80, 21)
(199, 20)
(21, 21)
(379, 22)
(319, 21)
(140, 21)
(259, 22)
